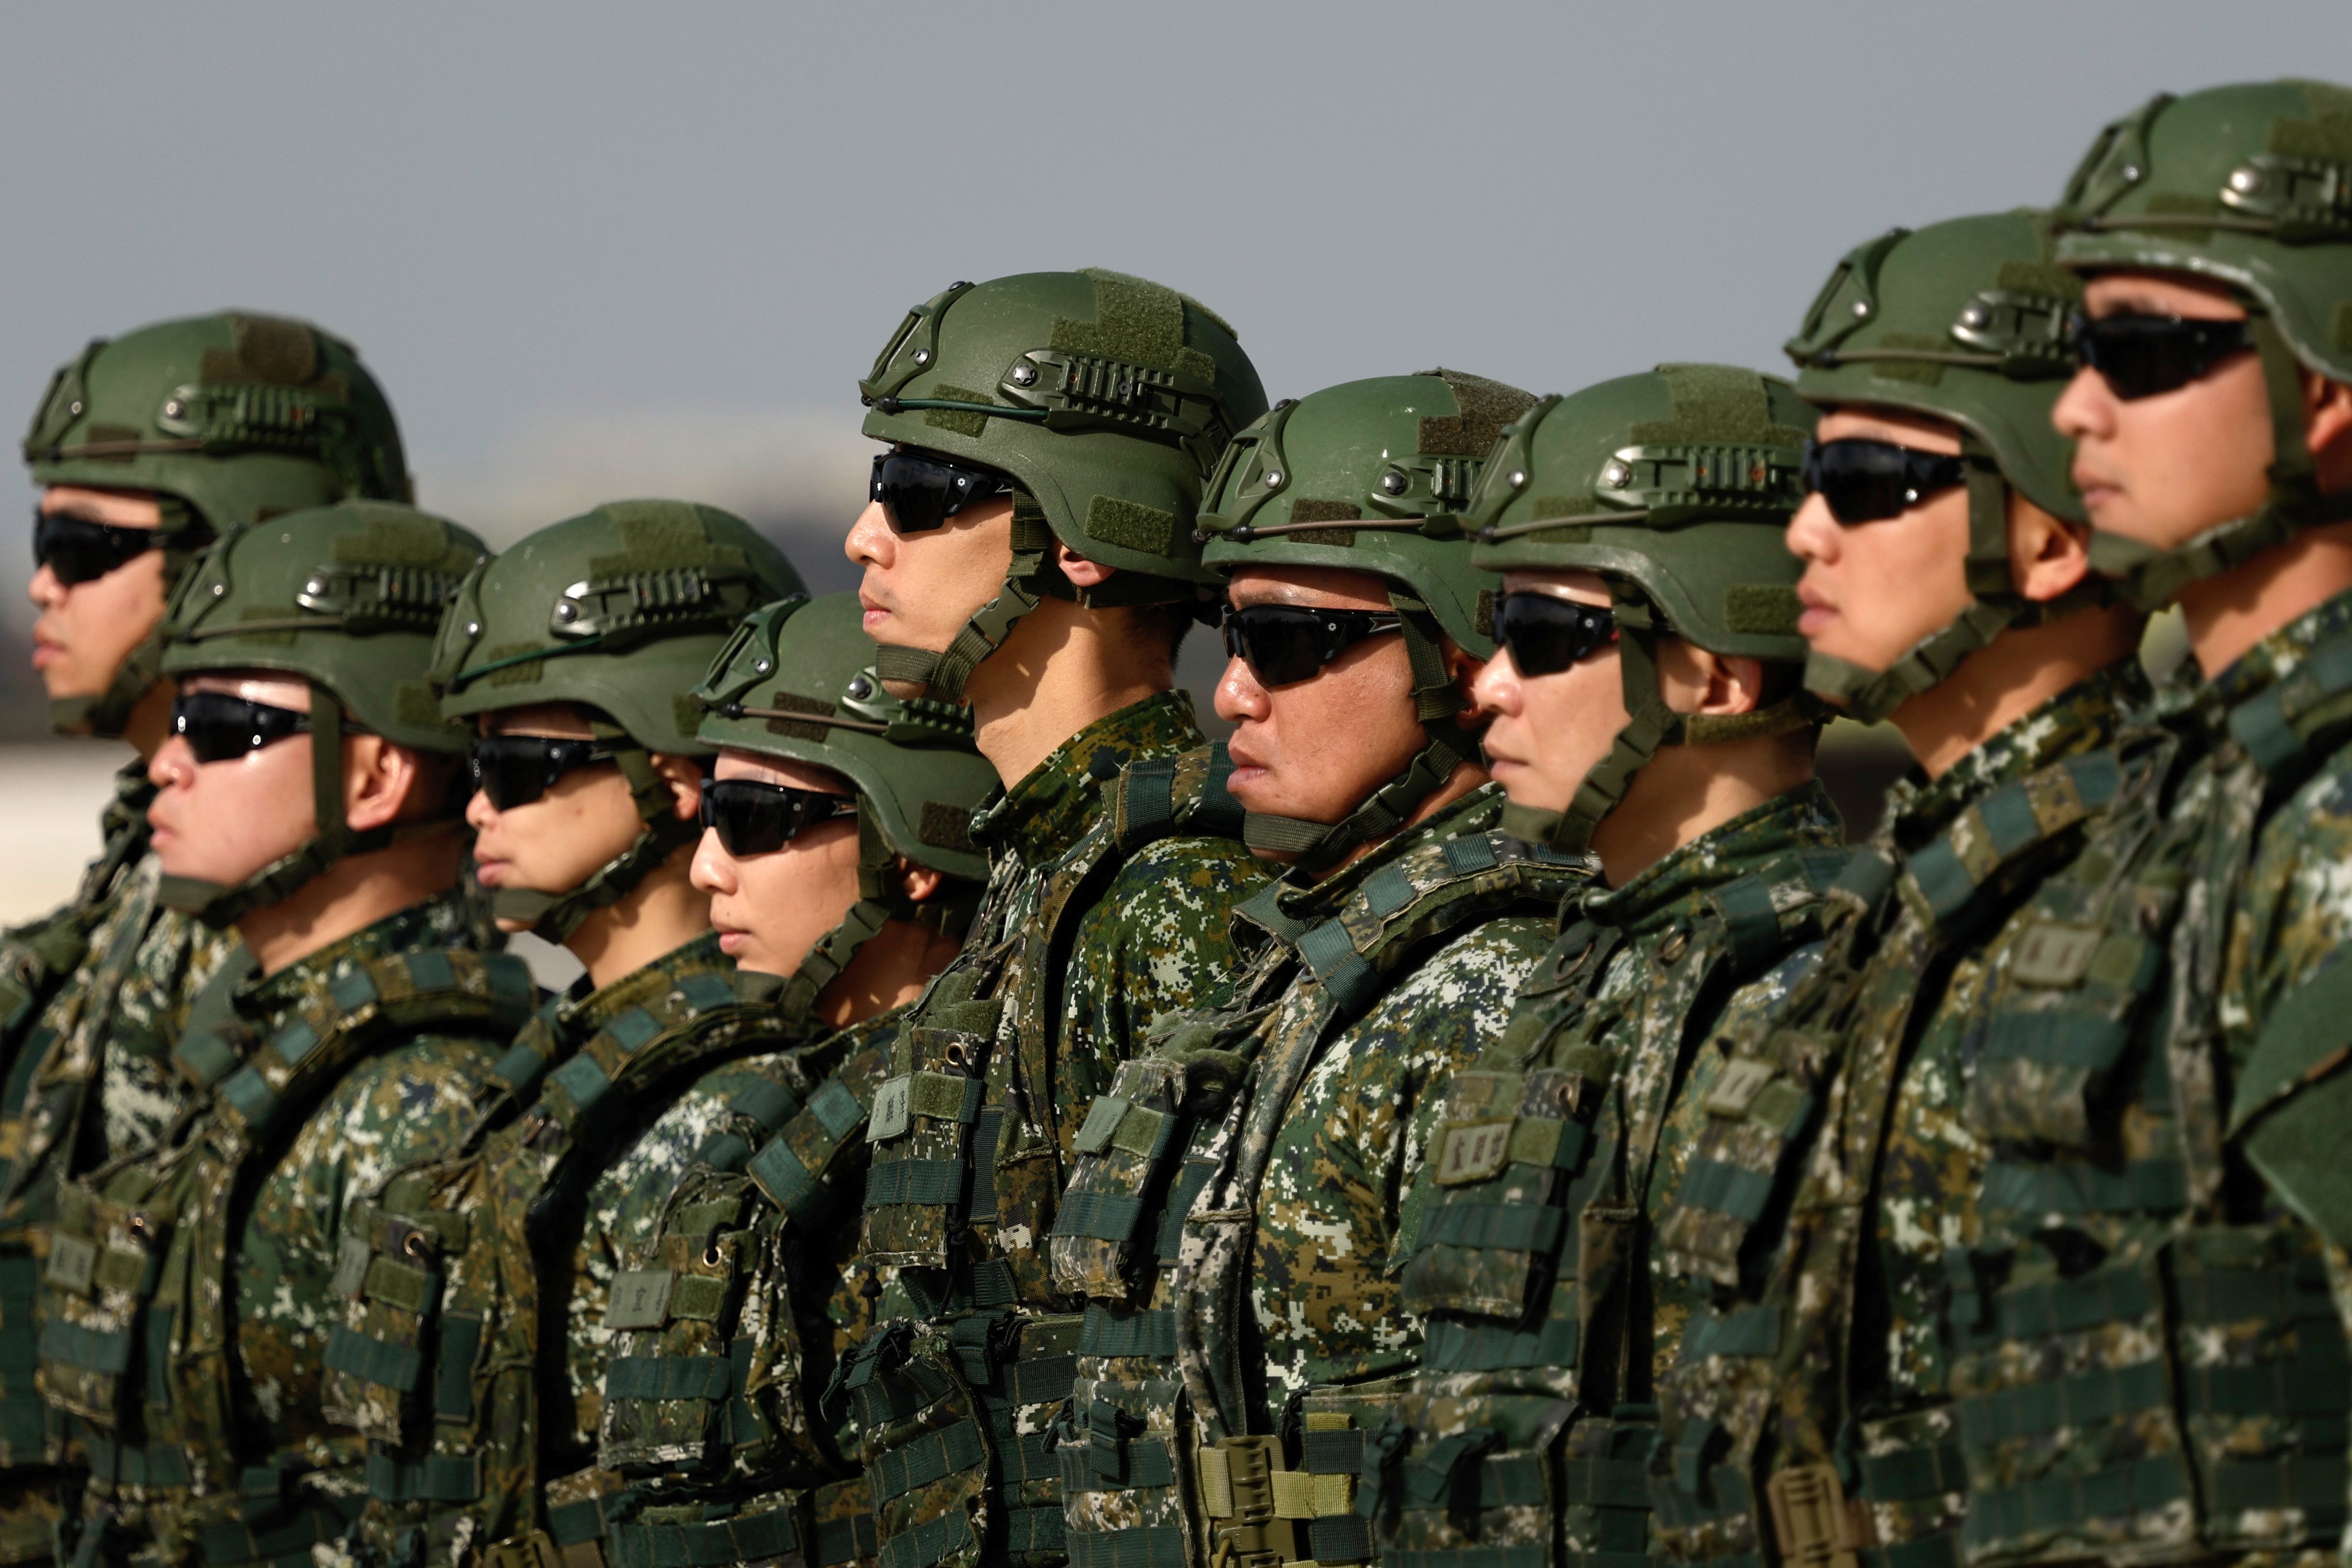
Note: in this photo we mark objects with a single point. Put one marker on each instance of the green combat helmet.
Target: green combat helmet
(620, 610)
(797, 682)
(345, 597)
(1965, 321)
(1104, 398)
(1371, 476)
(1674, 488)
(228, 419)
(2249, 185)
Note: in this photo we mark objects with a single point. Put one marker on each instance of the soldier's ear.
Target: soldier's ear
(917, 883)
(684, 776)
(2327, 430)
(2048, 555)
(385, 783)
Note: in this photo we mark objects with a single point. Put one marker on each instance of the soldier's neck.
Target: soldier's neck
(657, 917)
(1063, 668)
(2015, 673)
(348, 897)
(1685, 792)
(2227, 615)
(890, 968)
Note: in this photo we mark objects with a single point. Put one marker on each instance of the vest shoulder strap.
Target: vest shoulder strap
(2299, 720)
(1172, 797)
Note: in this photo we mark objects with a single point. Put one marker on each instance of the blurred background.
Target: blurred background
(597, 251)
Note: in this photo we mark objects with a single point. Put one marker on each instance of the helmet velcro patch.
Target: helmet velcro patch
(961, 422)
(1136, 320)
(660, 536)
(1130, 525)
(2327, 134)
(1925, 372)
(521, 673)
(1716, 402)
(1482, 407)
(269, 349)
(404, 540)
(1308, 509)
(945, 827)
(413, 702)
(685, 712)
(792, 701)
(1759, 608)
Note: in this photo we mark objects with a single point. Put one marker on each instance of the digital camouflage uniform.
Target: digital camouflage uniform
(286, 417)
(186, 1291)
(640, 1079)
(2144, 1353)
(1530, 1427)
(1825, 1426)
(1103, 401)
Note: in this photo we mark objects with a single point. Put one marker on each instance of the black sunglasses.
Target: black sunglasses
(79, 550)
(754, 818)
(1548, 634)
(1867, 481)
(1282, 644)
(516, 769)
(2140, 356)
(919, 494)
(219, 727)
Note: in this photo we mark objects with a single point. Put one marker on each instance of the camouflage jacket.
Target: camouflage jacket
(1589, 1171)
(109, 964)
(1854, 1289)
(215, 1253)
(2144, 1324)
(1107, 905)
(1238, 1232)
(496, 1264)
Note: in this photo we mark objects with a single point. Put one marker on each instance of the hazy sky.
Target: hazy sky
(595, 250)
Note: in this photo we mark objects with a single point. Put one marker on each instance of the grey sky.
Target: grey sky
(598, 250)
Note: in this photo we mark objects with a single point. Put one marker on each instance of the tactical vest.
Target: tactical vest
(1770, 1454)
(38, 958)
(2146, 1355)
(1530, 1430)
(712, 1448)
(448, 1268)
(138, 1349)
(1163, 1459)
(952, 1402)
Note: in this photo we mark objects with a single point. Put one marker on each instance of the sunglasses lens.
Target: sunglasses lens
(509, 775)
(219, 727)
(1279, 645)
(755, 819)
(1863, 481)
(79, 550)
(1546, 635)
(918, 494)
(2144, 356)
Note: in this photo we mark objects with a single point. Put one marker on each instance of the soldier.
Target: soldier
(148, 446)
(1646, 713)
(1236, 1242)
(759, 1252)
(2142, 1348)
(1030, 551)
(588, 638)
(1947, 590)
(307, 797)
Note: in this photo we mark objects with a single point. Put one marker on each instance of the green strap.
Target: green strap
(668, 1377)
(438, 1477)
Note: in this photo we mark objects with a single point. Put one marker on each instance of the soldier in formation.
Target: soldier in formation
(1481, 1117)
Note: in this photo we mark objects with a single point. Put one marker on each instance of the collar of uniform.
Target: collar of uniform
(1479, 811)
(583, 1016)
(1802, 818)
(1046, 812)
(435, 923)
(2083, 718)
(2281, 654)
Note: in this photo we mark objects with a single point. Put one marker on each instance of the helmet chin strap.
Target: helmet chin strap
(220, 905)
(1319, 846)
(2149, 577)
(1651, 724)
(1031, 579)
(1869, 695)
(556, 916)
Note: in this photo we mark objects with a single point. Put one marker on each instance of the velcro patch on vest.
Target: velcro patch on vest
(2054, 955)
(72, 1262)
(893, 1104)
(640, 1298)
(1473, 1151)
(1743, 1079)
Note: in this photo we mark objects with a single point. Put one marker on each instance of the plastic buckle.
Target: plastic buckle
(1809, 1517)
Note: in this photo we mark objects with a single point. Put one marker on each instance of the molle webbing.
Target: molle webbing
(140, 1242)
(443, 1285)
(2305, 717)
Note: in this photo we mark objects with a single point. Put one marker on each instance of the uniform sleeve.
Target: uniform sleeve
(1158, 940)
